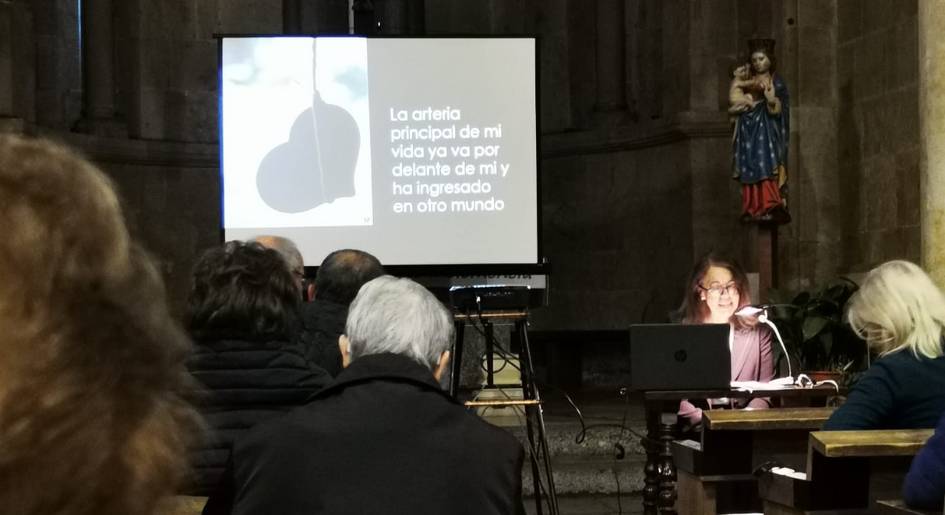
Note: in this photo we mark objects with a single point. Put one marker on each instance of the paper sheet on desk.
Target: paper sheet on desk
(757, 386)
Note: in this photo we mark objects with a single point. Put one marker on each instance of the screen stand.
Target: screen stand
(530, 403)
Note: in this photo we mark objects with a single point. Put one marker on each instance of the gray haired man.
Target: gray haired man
(383, 437)
(293, 258)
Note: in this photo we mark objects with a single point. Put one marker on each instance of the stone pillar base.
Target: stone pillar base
(610, 118)
(107, 127)
(11, 125)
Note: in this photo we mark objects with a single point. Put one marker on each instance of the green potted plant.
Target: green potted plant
(818, 339)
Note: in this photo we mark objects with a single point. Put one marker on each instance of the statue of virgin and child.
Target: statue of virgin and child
(760, 106)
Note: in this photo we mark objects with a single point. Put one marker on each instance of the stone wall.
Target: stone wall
(631, 197)
(51, 78)
(878, 130)
(810, 244)
(171, 198)
(635, 142)
(611, 228)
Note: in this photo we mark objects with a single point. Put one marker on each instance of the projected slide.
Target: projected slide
(296, 132)
(421, 151)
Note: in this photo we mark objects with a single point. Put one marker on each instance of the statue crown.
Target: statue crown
(764, 44)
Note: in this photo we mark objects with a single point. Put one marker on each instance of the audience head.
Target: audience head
(899, 307)
(398, 316)
(242, 291)
(717, 288)
(342, 274)
(289, 252)
(92, 366)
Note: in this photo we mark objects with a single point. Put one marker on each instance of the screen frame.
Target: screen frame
(540, 266)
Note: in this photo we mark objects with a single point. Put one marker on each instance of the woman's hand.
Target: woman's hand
(774, 104)
(768, 87)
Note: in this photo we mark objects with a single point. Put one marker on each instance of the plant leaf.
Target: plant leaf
(801, 299)
(782, 312)
(812, 326)
(835, 292)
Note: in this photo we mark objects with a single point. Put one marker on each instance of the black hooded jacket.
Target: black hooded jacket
(244, 382)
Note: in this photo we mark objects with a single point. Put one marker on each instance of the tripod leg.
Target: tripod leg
(490, 352)
(456, 364)
(534, 451)
(534, 417)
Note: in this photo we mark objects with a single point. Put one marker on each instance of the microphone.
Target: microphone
(760, 313)
(756, 310)
(751, 311)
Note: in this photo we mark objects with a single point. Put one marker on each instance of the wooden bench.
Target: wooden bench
(717, 472)
(846, 470)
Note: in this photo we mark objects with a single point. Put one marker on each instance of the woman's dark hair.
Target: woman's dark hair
(242, 290)
(763, 48)
(693, 310)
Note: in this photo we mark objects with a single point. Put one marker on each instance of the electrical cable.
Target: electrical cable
(580, 437)
(495, 346)
(550, 502)
(617, 481)
(533, 453)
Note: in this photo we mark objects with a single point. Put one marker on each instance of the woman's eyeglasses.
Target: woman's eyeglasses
(716, 290)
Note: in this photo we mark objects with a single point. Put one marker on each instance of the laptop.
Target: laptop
(679, 356)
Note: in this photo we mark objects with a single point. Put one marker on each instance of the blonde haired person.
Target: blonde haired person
(901, 314)
(91, 363)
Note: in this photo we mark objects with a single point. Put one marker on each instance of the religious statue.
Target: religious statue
(760, 105)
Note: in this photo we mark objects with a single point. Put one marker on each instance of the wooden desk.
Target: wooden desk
(876, 442)
(780, 418)
(845, 470)
(717, 473)
(659, 490)
(897, 507)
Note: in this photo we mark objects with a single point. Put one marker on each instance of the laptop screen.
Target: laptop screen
(679, 356)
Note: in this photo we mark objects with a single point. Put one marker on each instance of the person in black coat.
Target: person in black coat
(901, 314)
(383, 437)
(242, 307)
(339, 277)
(924, 486)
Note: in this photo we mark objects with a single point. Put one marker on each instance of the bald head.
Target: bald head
(342, 274)
(289, 252)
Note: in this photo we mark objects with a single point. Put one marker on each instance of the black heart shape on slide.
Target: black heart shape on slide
(314, 166)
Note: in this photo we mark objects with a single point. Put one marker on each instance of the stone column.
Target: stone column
(291, 17)
(6, 60)
(17, 66)
(364, 21)
(932, 137)
(400, 17)
(611, 44)
(98, 70)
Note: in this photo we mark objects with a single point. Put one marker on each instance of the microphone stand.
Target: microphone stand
(761, 314)
(763, 318)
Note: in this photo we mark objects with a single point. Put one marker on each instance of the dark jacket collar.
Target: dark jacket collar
(385, 367)
(322, 314)
(214, 336)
